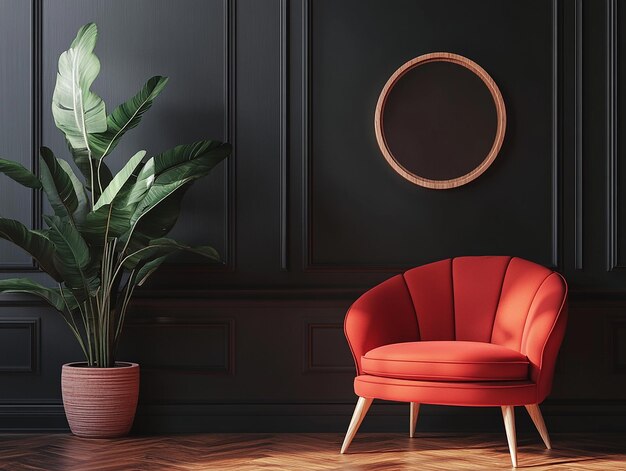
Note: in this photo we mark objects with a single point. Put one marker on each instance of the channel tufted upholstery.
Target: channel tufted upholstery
(467, 331)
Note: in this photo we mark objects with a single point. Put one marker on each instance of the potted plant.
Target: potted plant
(107, 233)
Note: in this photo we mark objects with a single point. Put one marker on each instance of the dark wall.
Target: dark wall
(307, 214)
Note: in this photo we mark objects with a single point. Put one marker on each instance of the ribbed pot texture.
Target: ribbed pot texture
(100, 402)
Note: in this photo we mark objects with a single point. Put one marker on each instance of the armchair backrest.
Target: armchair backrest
(508, 301)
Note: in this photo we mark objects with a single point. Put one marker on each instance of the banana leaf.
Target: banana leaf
(24, 285)
(57, 185)
(157, 248)
(72, 257)
(114, 216)
(125, 117)
(19, 173)
(79, 190)
(141, 184)
(147, 265)
(214, 151)
(161, 218)
(77, 111)
(175, 169)
(147, 269)
(40, 247)
(119, 180)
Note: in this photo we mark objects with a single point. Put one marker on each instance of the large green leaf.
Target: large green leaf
(24, 285)
(156, 252)
(77, 111)
(35, 243)
(175, 169)
(119, 180)
(19, 173)
(57, 185)
(115, 217)
(141, 184)
(161, 218)
(72, 257)
(146, 269)
(125, 117)
(213, 153)
(157, 248)
(79, 190)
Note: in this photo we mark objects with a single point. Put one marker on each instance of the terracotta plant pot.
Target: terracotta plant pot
(100, 402)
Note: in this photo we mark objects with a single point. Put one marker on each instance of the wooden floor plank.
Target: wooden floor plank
(314, 452)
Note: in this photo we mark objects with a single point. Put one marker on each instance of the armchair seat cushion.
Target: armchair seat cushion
(446, 361)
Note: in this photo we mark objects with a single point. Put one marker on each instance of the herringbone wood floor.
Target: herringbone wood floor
(303, 452)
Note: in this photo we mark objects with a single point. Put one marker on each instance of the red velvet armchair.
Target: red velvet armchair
(468, 331)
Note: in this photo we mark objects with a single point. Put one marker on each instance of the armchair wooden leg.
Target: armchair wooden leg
(362, 406)
(415, 407)
(508, 413)
(537, 418)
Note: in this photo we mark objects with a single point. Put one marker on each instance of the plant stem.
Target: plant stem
(72, 325)
(93, 190)
(92, 315)
(128, 292)
(100, 315)
(101, 301)
(87, 332)
(98, 173)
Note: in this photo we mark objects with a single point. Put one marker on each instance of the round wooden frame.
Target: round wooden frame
(500, 113)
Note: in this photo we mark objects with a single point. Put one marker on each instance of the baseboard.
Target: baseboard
(383, 417)
(32, 418)
(327, 417)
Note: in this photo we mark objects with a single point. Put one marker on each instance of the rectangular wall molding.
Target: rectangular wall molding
(579, 128)
(229, 93)
(616, 333)
(229, 100)
(557, 47)
(326, 350)
(19, 345)
(284, 134)
(308, 262)
(186, 346)
(37, 78)
(230, 126)
(612, 137)
(35, 217)
(308, 245)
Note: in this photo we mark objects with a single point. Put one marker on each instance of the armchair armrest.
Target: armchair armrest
(544, 331)
(383, 315)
